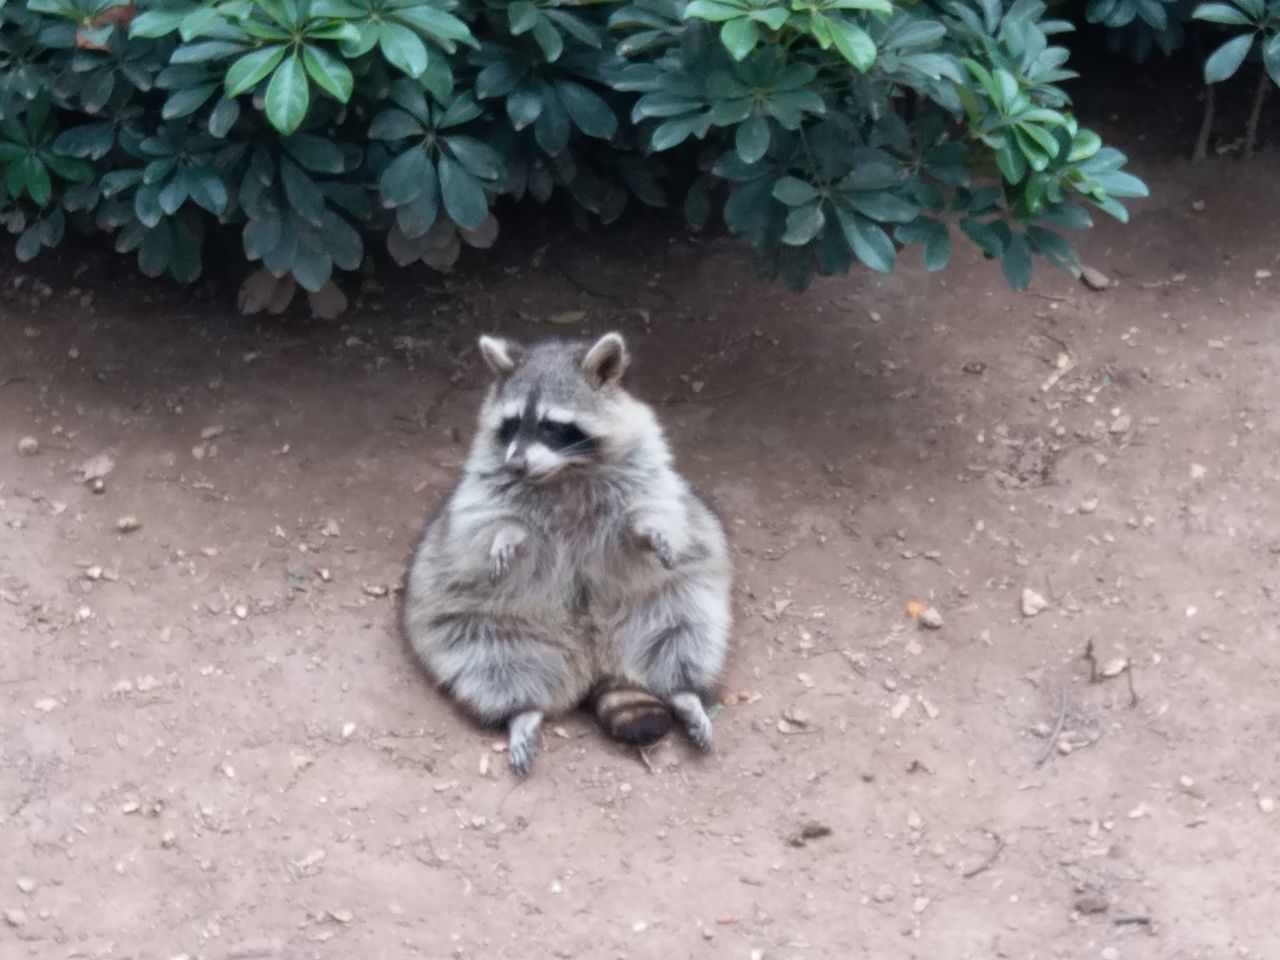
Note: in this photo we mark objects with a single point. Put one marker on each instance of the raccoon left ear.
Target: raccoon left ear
(607, 361)
(501, 355)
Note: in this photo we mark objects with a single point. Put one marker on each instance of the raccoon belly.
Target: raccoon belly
(497, 666)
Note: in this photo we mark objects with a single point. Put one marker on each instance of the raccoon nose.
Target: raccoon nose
(518, 463)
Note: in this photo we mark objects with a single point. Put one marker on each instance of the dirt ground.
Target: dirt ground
(212, 744)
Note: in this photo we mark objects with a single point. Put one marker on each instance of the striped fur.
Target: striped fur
(629, 713)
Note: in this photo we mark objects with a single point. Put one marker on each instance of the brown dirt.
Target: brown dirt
(218, 748)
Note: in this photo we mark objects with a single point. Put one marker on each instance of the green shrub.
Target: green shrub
(822, 131)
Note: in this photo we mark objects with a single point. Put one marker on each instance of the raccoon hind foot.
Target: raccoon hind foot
(523, 734)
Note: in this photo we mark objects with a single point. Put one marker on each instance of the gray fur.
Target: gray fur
(550, 574)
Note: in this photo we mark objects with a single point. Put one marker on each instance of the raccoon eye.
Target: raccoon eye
(507, 432)
(560, 436)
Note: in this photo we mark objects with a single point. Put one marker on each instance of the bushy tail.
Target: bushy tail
(630, 713)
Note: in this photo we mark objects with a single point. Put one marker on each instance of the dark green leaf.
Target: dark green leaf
(341, 241)
(697, 204)
(315, 153)
(1226, 60)
(479, 158)
(464, 197)
(587, 110)
(288, 96)
(206, 188)
(402, 48)
(404, 177)
(793, 192)
(1224, 13)
(1017, 263)
(870, 243)
(146, 205)
(247, 72)
(854, 44)
(329, 73)
(223, 116)
(301, 191)
(418, 215)
(395, 124)
(183, 103)
(740, 37)
(751, 139)
(803, 224)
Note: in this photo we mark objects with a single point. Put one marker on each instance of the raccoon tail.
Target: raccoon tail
(629, 713)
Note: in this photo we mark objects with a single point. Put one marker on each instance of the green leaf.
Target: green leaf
(803, 224)
(739, 37)
(713, 11)
(751, 139)
(247, 72)
(444, 28)
(183, 103)
(522, 16)
(1271, 57)
(207, 190)
(156, 23)
(870, 243)
(1017, 263)
(697, 204)
(548, 39)
(937, 249)
(1226, 60)
(793, 191)
(146, 205)
(315, 153)
(464, 198)
(402, 48)
(341, 241)
(1224, 13)
(395, 124)
(404, 177)
(480, 159)
(223, 116)
(174, 193)
(587, 110)
(301, 191)
(854, 44)
(418, 215)
(288, 96)
(39, 184)
(329, 73)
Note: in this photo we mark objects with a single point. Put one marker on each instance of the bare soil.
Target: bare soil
(213, 744)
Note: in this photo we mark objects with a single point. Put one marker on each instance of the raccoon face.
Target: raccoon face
(556, 406)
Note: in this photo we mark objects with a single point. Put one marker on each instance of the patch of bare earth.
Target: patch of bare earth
(212, 744)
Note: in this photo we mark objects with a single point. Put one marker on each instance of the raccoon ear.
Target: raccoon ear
(502, 356)
(607, 361)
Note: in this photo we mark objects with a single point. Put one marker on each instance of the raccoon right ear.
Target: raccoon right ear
(501, 355)
(607, 361)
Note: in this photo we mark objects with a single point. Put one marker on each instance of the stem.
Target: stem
(1201, 150)
(1255, 113)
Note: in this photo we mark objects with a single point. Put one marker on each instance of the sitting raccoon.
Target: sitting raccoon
(571, 564)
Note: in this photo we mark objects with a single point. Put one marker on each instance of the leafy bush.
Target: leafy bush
(822, 131)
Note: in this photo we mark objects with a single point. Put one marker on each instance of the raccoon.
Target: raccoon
(572, 564)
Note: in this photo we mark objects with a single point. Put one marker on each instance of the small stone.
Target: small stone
(757, 954)
(1267, 804)
(15, 917)
(1033, 603)
(1261, 274)
(240, 610)
(1115, 667)
(28, 447)
(1199, 471)
(1121, 424)
(168, 839)
(1089, 506)
(330, 528)
(919, 904)
(914, 820)
(1110, 953)
(1197, 205)
(128, 524)
(1186, 782)
(1091, 903)
(212, 433)
(931, 619)
(1094, 279)
(27, 885)
(639, 927)
(348, 729)
(342, 916)
(884, 893)
(796, 716)
(46, 704)
(901, 706)
(375, 590)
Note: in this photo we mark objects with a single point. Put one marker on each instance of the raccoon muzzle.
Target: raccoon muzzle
(631, 714)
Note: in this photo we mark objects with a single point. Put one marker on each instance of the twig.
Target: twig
(1133, 694)
(990, 862)
(16, 378)
(1051, 297)
(1092, 660)
(598, 294)
(1201, 149)
(1255, 113)
(711, 398)
(1057, 731)
(644, 757)
(1132, 921)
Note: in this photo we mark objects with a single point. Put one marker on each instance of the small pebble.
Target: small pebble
(1089, 506)
(128, 524)
(884, 893)
(931, 619)
(240, 610)
(28, 447)
(46, 704)
(1113, 668)
(26, 885)
(1033, 603)
(15, 917)
(1267, 804)
(1094, 278)
(1110, 953)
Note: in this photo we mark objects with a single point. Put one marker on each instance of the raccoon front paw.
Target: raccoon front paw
(506, 545)
(695, 720)
(655, 541)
